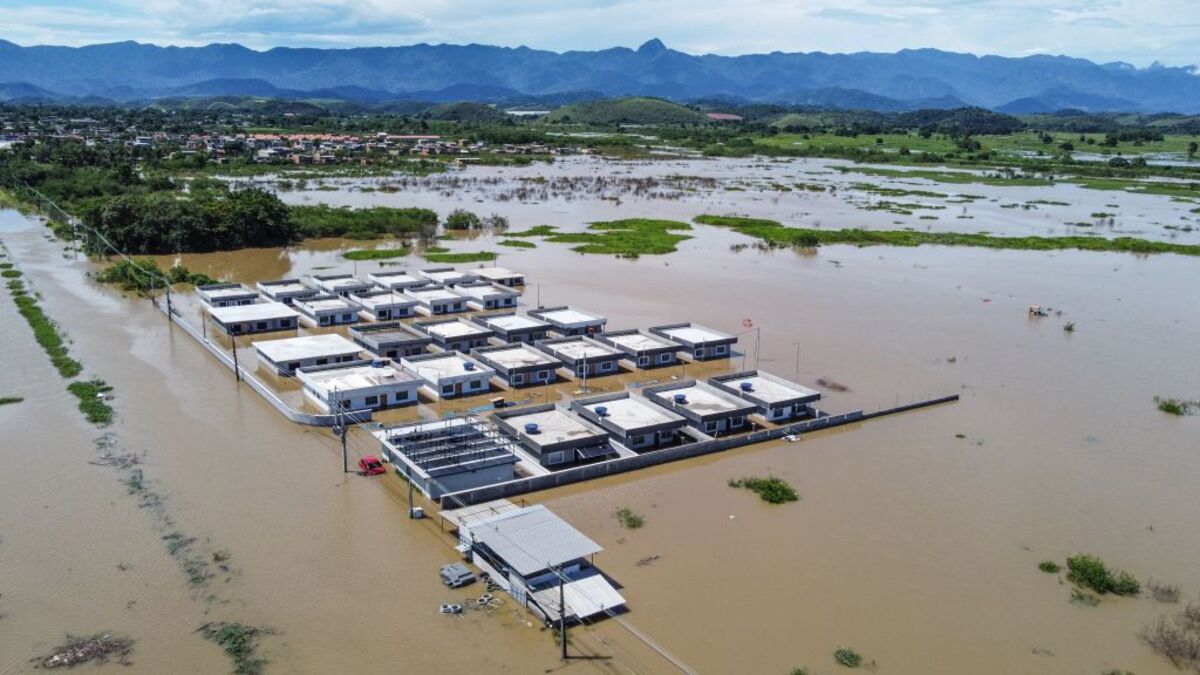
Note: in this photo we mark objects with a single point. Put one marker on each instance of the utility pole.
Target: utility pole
(757, 344)
(797, 359)
(342, 426)
(408, 475)
(585, 370)
(237, 370)
(203, 325)
(562, 612)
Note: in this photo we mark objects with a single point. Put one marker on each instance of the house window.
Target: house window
(737, 422)
(372, 400)
(720, 349)
(710, 427)
(518, 378)
(643, 360)
(324, 321)
(699, 352)
(261, 325)
(447, 389)
(382, 314)
(321, 362)
(607, 366)
(294, 365)
(580, 370)
(555, 458)
(401, 396)
(664, 358)
(347, 317)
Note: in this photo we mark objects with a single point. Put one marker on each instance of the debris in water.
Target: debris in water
(830, 383)
(648, 560)
(82, 650)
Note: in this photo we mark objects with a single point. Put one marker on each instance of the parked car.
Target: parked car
(371, 466)
(457, 575)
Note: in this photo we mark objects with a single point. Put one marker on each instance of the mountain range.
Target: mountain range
(127, 72)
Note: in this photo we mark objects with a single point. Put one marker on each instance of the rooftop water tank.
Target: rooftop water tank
(602, 411)
(467, 365)
(378, 363)
(681, 398)
(531, 428)
(747, 386)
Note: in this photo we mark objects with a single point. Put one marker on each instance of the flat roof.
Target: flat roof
(357, 377)
(569, 316)
(484, 291)
(554, 426)
(306, 347)
(259, 311)
(432, 294)
(285, 286)
(496, 273)
(770, 389)
(397, 277)
(442, 275)
(640, 341)
(453, 329)
(509, 322)
(467, 515)
(517, 356)
(579, 348)
(226, 291)
(633, 412)
(325, 304)
(342, 282)
(445, 365)
(705, 400)
(533, 539)
(377, 299)
(695, 333)
(383, 333)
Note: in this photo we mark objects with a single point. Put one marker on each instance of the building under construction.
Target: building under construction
(460, 453)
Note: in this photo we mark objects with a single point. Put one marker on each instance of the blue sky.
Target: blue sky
(1136, 31)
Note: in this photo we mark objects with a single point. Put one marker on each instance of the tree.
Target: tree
(1192, 149)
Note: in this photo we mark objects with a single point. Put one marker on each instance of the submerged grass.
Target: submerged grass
(1088, 571)
(629, 518)
(9, 400)
(240, 643)
(535, 231)
(45, 331)
(442, 256)
(93, 396)
(771, 489)
(517, 243)
(1175, 406)
(628, 238)
(776, 234)
(375, 253)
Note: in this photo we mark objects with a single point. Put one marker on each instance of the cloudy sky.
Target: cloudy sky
(1137, 31)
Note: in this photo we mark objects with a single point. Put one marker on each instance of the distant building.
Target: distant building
(705, 407)
(457, 335)
(226, 295)
(263, 317)
(701, 344)
(519, 365)
(326, 310)
(290, 354)
(584, 356)
(645, 351)
(364, 385)
(390, 340)
(512, 327)
(568, 321)
(777, 399)
(286, 291)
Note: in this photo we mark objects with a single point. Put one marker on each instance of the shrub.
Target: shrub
(1174, 406)
(461, 219)
(1091, 572)
(771, 489)
(1177, 638)
(1049, 567)
(629, 518)
(847, 657)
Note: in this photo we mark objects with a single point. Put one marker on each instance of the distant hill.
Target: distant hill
(905, 80)
(637, 110)
(465, 111)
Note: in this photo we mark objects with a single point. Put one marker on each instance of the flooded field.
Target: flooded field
(916, 539)
(798, 192)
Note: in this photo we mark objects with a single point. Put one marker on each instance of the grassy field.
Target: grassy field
(1025, 141)
(884, 142)
(627, 238)
(375, 253)
(778, 235)
(950, 177)
(445, 257)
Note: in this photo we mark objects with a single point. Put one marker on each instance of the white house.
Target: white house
(374, 385)
(484, 295)
(326, 310)
(260, 317)
(287, 355)
(383, 305)
(449, 374)
(226, 295)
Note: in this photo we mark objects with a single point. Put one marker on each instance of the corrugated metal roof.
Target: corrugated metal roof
(584, 597)
(532, 539)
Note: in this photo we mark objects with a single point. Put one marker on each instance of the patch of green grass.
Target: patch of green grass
(375, 253)
(951, 177)
(771, 489)
(776, 234)
(1089, 571)
(535, 231)
(517, 243)
(10, 274)
(1183, 190)
(1049, 567)
(1175, 406)
(628, 238)
(9, 400)
(629, 518)
(897, 192)
(846, 656)
(456, 258)
(93, 400)
(45, 331)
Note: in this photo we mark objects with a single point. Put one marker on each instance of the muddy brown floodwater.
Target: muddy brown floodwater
(911, 544)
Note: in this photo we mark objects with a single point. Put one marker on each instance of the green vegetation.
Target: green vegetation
(777, 235)
(1091, 572)
(535, 231)
(517, 243)
(771, 489)
(1174, 406)
(629, 518)
(375, 253)
(372, 223)
(1008, 178)
(466, 111)
(10, 400)
(45, 331)
(442, 256)
(10, 274)
(1049, 567)
(635, 110)
(144, 275)
(627, 238)
(846, 656)
(92, 395)
(240, 642)
(461, 219)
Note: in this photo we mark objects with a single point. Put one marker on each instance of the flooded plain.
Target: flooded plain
(916, 539)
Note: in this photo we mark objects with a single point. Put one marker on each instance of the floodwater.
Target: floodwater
(576, 190)
(915, 546)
